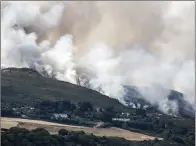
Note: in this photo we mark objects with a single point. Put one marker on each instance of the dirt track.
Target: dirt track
(54, 127)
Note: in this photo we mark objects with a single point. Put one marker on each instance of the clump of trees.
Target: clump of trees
(39, 137)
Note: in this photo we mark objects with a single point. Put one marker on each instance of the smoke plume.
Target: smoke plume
(111, 44)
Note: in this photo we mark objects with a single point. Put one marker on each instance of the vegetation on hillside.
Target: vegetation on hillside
(26, 87)
(173, 129)
(27, 94)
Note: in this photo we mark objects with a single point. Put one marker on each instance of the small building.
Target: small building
(121, 119)
(59, 116)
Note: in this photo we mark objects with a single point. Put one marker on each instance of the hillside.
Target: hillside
(134, 99)
(26, 86)
(27, 94)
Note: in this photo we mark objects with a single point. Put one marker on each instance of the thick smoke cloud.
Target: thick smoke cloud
(110, 43)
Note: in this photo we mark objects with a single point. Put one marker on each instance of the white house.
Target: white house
(59, 116)
(121, 119)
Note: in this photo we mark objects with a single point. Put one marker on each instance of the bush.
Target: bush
(16, 130)
(85, 106)
(177, 139)
(41, 132)
(62, 132)
(141, 112)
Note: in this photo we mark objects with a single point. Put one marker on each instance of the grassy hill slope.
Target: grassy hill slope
(26, 86)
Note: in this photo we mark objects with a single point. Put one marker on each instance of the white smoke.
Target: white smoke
(114, 43)
(100, 60)
(60, 57)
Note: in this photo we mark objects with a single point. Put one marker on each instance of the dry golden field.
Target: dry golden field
(54, 127)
